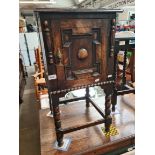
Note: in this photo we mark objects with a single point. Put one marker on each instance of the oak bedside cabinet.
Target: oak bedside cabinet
(78, 48)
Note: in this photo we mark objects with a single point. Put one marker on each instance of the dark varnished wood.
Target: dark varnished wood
(77, 10)
(79, 13)
(89, 140)
(97, 108)
(127, 141)
(123, 88)
(77, 46)
(86, 125)
(128, 91)
(87, 97)
(124, 68)
(71, 100)
(114, 96)
(69, 35)
(57, 121)
(107, 117)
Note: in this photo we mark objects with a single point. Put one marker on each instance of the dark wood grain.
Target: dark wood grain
(87, 97)
(57, 121)
(89, 140)
(69, 34)
(77, 53)
(77, 10)
(121, 89)
(97, 108)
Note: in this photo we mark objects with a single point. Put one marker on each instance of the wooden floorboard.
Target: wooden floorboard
(89, 140)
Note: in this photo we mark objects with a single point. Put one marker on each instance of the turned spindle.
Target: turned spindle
(57, 121)
(87, 97)
(108, 119)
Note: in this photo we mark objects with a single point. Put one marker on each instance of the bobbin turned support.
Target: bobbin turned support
(114, 99)
(108, 118)
(87, 97)
(57, 121)
(114, 95)
(55, 95)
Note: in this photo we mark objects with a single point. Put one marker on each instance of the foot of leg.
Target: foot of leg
(60, 138)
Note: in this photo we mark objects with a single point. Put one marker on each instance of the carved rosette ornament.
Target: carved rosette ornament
(82, 53)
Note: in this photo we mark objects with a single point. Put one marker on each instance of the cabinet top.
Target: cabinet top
(70, 10)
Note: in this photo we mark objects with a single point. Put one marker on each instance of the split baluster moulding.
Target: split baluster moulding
(78, 48)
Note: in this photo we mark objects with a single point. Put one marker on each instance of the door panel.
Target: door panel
(83, 46)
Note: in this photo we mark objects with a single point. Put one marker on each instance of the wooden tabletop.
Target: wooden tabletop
(89, 140)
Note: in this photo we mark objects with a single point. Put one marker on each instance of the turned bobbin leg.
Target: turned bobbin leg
(114, 95)
(57, 121)
(108, 118)
(87, 97)
(50, 103)
(114, 99)
(124, 69)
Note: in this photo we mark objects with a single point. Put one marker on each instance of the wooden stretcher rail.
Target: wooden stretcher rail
(122, 92)
(97, 108)
(124, 47)
(71, 100)
(79, 127)
(128, 87)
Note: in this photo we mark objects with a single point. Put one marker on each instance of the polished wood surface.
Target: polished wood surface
(89, 140)
(122, 88)
(78, 46)
(64, 34)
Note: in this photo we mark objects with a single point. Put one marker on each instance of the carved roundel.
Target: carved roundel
(82, 53)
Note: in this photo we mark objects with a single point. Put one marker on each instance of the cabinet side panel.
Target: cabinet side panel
(47, 49)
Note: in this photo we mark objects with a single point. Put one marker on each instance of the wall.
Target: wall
(33, 42)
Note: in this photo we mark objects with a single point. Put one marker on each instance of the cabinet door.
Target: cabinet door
(83, 44)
